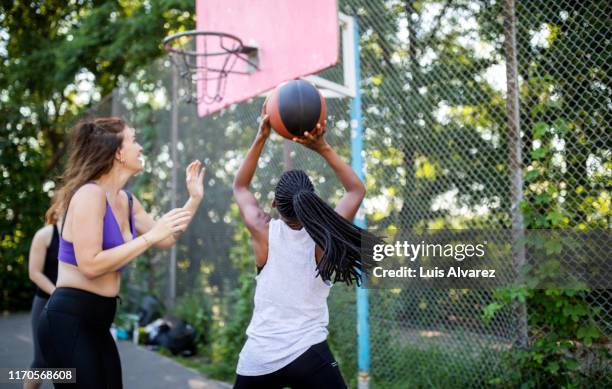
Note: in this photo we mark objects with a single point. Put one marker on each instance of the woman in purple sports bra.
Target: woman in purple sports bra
(104, 228)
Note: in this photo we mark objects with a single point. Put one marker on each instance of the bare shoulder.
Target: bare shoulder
(90, 197)
(47, 230)
(44, 234)
(89, 189)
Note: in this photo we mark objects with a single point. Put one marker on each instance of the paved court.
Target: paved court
(141, 368)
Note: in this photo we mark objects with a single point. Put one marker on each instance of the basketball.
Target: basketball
(295, 107)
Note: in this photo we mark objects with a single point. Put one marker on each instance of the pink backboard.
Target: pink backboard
(294, 38)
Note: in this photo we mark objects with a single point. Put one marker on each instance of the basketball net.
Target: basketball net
(205, 59)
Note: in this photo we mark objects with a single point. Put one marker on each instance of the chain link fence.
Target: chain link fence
(436, 149)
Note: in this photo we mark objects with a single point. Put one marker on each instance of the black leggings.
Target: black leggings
(74, 332)
(316, 368)
(37, 307)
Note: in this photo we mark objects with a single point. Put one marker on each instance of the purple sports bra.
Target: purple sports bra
(111, 234)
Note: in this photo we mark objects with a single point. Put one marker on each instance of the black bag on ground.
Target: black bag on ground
(180, 339)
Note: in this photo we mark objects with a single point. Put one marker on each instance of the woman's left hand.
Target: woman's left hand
(315, 139)
(195, 179)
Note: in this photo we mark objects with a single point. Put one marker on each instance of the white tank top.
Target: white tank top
(290, 313)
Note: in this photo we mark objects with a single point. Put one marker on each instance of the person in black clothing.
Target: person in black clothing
(42, 269)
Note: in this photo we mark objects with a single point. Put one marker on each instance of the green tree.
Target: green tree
(57, 59)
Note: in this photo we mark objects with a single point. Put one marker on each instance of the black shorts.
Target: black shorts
(316, 368)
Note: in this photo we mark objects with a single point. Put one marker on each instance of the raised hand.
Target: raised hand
(264, 127)
(314, 140)
(195, 179)
(173, 222)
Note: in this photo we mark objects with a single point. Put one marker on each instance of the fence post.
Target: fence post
(173, 188)
(515, 160)
(363, 328)
(287, 149)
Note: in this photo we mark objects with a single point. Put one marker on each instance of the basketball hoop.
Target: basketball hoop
(204, 59)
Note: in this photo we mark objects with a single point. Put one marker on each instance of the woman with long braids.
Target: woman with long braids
(104, 228)
(297, 257)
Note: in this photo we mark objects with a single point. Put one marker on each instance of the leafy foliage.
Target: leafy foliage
(230, 333)
(566, 344)
(56, 59)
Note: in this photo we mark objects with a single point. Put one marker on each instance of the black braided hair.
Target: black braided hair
(340, 239)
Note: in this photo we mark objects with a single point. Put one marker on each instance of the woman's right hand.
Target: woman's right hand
(175, 221)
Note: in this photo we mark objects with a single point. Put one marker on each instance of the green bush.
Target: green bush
(566, 349)
(196, 310)
(230, 331)
(16, 289)
(432, 367)
(343, 331)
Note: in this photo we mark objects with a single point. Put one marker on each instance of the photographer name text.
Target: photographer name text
(415, 251)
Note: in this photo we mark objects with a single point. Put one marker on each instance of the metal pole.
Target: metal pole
(174, 154)
(515, 160)
(287, 149)
(115, 103)
(363, 326)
